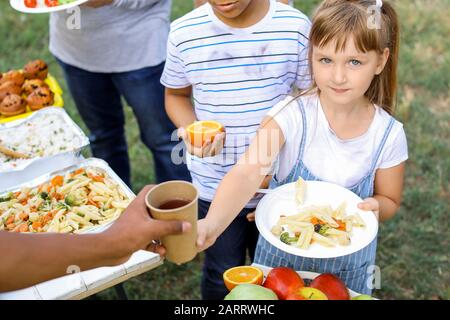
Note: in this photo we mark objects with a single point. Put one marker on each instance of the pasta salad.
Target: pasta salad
(70, 203)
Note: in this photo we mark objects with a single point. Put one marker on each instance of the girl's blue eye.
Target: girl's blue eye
(325, 60)
(355, 62)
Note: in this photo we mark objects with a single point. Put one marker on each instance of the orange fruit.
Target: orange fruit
(242, 274)
(201, 131)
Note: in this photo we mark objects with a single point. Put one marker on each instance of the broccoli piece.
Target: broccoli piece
(284, 237)
(6, 197)
(45, 206)
(62, 205)
(321, 228)
(76, 198)
(44, 196)
(70, 200)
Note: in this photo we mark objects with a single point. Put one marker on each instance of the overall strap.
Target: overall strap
(303, 139)
(382, 143)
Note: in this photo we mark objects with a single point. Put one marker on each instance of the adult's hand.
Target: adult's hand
(136, 230)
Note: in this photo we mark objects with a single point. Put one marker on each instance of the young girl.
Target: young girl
(340, 131)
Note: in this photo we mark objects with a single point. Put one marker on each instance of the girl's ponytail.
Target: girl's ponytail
(383, 90)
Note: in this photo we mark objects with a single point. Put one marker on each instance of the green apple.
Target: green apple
(362, 297)
(247, 291)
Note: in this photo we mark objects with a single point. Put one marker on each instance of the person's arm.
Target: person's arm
(179, 107)
(248, 173)
(28, 259)
(387, 192)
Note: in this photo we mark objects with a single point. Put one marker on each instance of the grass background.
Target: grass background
(413, 249)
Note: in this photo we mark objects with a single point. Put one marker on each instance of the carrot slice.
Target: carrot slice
(10, 220)
(57, 181)
(23, 228)
(23, 216)
(77, 172)
(37, 225)
(98, 178)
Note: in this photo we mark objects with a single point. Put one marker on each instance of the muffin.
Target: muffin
(12, 105)
(36, 69)
(8, 88)
(40, 98)
(15, 76)
(30, 85)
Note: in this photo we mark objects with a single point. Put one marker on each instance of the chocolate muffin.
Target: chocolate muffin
(40, 98)
(15, 76)
(30, 85)
(9, 88)
(36, 69)
(12, 105)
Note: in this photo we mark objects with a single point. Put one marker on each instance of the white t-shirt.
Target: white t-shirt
(344, 162)
(237, 76)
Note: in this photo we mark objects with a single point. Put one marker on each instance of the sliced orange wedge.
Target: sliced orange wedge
(242, 274)
(201, 131)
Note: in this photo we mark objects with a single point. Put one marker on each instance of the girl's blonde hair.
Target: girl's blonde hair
(335, 20)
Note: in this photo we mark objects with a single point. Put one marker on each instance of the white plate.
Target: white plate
(19, 5)
(281, 202)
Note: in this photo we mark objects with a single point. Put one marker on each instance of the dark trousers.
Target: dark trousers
(97, 97)
(228, 251)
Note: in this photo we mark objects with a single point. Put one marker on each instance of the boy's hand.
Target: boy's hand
(209, 149)
(205, 235)
(371, 204)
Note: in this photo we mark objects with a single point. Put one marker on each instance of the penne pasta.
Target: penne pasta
(316, 224)
(71, 202)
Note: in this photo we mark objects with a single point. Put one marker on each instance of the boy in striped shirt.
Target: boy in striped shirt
(231, 61)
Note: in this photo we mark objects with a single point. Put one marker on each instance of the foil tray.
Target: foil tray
(90, 162)
(21, 164)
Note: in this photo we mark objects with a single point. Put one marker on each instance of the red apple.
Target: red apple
(332, 286)
(282, 281)
(307, 293)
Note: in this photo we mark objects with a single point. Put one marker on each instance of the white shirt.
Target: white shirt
(344, 162)
(237, 75)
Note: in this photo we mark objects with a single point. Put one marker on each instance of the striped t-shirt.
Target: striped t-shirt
(237, 76)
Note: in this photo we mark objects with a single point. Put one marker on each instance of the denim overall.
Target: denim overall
(352, 268)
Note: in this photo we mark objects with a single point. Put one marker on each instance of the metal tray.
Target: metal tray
(21, 164)
(90, 162)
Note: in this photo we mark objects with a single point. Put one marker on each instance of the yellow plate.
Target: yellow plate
(58, 100)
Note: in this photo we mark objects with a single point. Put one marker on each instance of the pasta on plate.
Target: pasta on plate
(314, 223)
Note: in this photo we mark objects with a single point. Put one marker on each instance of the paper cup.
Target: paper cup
(179, 248)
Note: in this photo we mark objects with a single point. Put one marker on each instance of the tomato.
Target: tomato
(30, 3)
(51, 3)
(283, 281)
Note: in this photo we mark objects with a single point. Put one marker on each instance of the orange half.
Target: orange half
(242, 274)
(201, 131)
